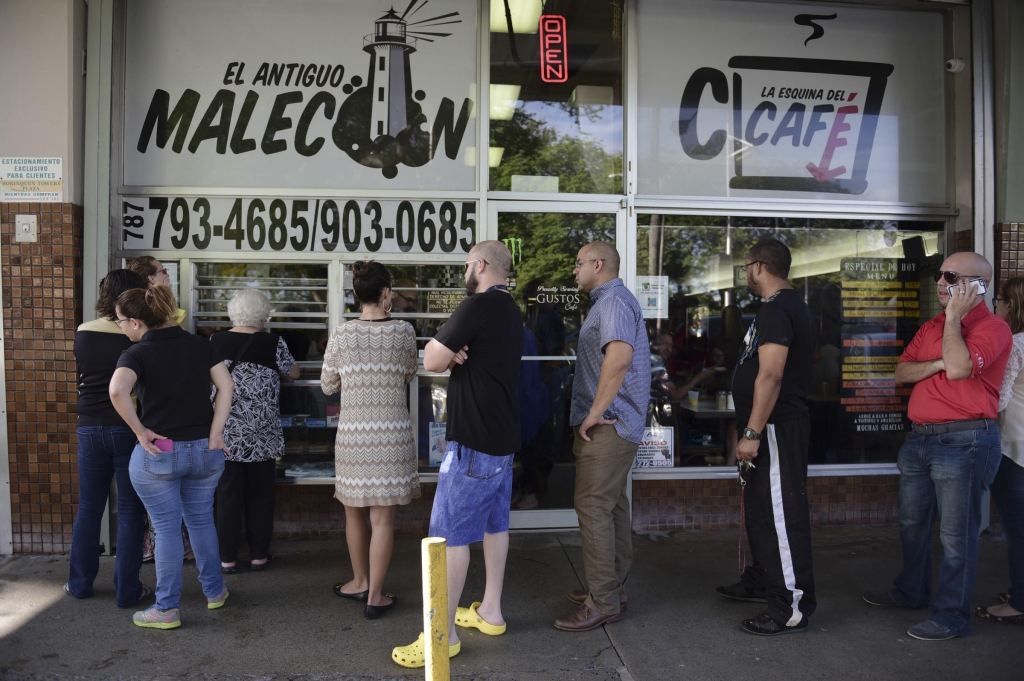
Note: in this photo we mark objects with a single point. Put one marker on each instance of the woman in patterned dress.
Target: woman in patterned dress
(253, 432)
(370, 360)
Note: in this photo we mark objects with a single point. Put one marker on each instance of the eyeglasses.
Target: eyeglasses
(581, 263)
(118, 321)
(996, 301)
(952, 277)
(470, 262)
(745, 267)
(162, 270)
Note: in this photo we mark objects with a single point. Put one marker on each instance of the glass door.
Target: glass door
(544, 240)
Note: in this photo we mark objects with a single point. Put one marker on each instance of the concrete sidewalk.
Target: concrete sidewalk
(286, 624)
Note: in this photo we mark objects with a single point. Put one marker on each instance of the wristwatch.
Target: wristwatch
(751, 434)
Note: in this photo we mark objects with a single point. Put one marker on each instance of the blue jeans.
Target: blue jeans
(943, 475)
(473, 497)
(1008, 492)
(174, 485)
(104, 452)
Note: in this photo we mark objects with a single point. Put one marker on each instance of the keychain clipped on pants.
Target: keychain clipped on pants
(741, 555)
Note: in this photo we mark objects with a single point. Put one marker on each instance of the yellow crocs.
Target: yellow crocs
(413, 656)
(467, 617)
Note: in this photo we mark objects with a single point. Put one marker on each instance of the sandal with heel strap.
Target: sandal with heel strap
(468, 618)
(984, 614)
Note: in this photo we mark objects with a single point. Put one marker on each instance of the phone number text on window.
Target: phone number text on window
(297, 225)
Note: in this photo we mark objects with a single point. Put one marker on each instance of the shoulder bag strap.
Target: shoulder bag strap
(241, 351)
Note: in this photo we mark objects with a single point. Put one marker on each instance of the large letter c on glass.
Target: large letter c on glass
(688, 113)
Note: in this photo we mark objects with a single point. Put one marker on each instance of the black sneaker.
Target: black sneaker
(931, 631)
(764, 625)
(882, 598)
(739, 592)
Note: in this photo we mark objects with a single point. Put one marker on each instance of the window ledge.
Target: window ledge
(729, 473)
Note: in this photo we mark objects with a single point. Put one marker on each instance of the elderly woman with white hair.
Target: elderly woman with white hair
(257, 361)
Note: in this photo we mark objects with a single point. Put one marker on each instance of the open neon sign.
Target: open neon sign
(554, 49)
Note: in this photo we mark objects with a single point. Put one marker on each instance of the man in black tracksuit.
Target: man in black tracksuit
(769, 385)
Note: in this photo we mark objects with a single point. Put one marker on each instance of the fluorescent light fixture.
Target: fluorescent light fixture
(494, 155)
(535, 183)
(503, 101)
(592, 95)
(525, 15)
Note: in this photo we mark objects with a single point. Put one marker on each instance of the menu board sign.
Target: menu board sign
(881, 309)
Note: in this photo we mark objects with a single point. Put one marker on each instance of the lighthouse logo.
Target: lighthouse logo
(380, 125)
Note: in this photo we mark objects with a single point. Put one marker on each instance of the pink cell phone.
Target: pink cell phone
(164, 445)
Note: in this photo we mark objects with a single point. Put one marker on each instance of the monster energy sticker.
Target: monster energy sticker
(253, 93)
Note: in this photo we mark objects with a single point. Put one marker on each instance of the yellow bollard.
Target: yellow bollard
(435, 608)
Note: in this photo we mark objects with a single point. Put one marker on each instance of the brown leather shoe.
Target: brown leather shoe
(579, 596)
(584, 619)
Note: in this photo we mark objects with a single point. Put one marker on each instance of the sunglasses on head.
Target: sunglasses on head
(953, 277)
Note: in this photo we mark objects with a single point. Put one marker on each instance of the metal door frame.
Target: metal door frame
(562, 518)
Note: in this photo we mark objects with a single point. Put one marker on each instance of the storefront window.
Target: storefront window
(556, 114)
(868, 284)
(298, 299)
(424, 295)
(738, 99)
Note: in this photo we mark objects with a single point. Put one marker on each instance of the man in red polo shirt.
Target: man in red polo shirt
(956, 362)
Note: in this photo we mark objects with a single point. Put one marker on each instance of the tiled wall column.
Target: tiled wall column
(664, 505)
(42, 300)
(1009, 250)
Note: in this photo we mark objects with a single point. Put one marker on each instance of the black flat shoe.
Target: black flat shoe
(372, 612)
(764, 625)
(259, 567)
(229, 570)
(357, 596)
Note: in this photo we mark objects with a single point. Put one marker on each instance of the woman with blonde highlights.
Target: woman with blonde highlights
(179, 457)
(105, 444)
(1008, 487)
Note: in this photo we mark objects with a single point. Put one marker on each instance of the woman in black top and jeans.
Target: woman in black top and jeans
(180, 455)
(105, 444)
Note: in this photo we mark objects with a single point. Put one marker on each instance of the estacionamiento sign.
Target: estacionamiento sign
(254, 93)
(31, 179)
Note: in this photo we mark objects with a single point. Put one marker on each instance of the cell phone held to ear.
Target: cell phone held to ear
(164, 445)
(978, 283)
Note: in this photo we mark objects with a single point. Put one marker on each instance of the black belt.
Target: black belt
(952, 426)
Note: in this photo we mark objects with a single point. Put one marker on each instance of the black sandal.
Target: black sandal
(986, 615)
(229, 569)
